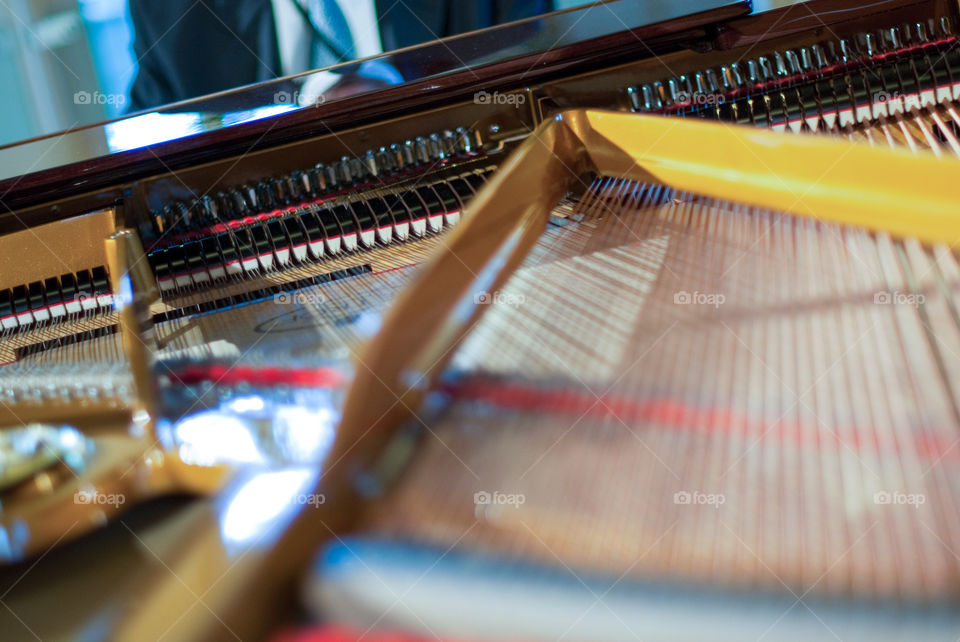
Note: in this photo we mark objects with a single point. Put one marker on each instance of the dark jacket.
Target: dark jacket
(187, 49)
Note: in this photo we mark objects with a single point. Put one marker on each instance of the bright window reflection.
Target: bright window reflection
(212, 437)
(152, 128)
(263, 504)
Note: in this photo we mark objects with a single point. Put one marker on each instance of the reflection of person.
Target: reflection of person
(187, 49)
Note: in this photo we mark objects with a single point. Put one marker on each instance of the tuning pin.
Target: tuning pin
(197, 216)
(700, 83)
(234, 203)
(414, 150)
(331, 175)
(634, 97)
(214, 204)
(195, 212)
(847, 53)
(247, 199)
(753, 72)
(314, 181)
(894, 38)
(781, 65)
(302, 188)
(169, 216)
(318, 179)
(869, 44)
(435, 145)
(182, 215)
(210, 209)
(309, 183)
(354, 168)
(292, 186)
(198, 210)
(738, 73)
(277, 193)
(159, 223)
(727, 76)
(676, 96)
(889, 41)
(396, 156)
(906, 34)
(712, 85)
(224, 206)
(345, 175)
(661, 93)
(250, 196)
(369, 164)
(920, 31)
(819, 57)
(358, 168)
(218, 204)
(686, 86)
(264, 196)
(649, 98)
(464, 141)
(946, 29)
(766, 68)
(449, 140)
(409, 153)
(278, 190)
(830, 53)
(238, 204)
(263, 199)
(468, 141)
(384, 160)
(341, 170)
(421, 150)
(793, 62)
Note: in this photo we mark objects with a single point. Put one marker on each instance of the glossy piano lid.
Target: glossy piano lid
(276, 111)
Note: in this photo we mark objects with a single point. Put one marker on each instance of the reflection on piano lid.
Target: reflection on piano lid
(436, 72)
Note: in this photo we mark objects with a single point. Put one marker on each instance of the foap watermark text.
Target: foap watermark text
(497, 498)
(96, 498)
(496, 98)
(98, 98)
(899, 298)
(499, 298)
(699, 99)
(299, 298)
(311, 499)
(297, 98)
(714, 299)
(696, 498)
(898, 498)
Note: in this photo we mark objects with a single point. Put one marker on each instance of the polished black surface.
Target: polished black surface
(241, 119)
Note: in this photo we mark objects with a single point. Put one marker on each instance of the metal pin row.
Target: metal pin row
(299, 185)
(683, 90)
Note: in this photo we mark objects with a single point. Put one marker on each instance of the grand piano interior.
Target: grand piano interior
(268, 375)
